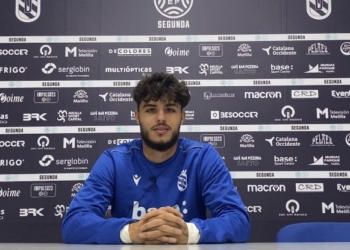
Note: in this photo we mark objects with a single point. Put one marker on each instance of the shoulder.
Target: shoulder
(119, 155)
(191, 146)
(128, 148)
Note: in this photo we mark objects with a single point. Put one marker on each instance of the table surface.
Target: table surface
(245, 246)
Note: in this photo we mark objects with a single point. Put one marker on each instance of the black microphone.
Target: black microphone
(153, 179)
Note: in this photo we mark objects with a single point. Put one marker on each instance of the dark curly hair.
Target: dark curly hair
(161, 86)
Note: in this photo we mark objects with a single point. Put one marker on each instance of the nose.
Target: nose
(161, 116)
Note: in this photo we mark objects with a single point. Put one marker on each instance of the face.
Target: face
(159, 123)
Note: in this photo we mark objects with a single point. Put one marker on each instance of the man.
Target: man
(160, 186)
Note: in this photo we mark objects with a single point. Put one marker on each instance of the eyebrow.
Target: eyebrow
(154, 105)
(149, 105)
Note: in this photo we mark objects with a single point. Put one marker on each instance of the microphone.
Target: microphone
(153, 179)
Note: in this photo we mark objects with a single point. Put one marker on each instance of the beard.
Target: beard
(159, 146)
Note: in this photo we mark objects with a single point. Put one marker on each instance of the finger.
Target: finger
(152, 213)
(156, 236)
(158, 233)
(166, 229)
(153, 223)
(166, 216)
(172, 210)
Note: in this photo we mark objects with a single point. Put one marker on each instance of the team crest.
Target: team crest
(182, 181)
(28, 10)
(319, 9)
(173, 8)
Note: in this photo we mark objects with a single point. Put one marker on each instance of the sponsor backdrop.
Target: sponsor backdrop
(269, 81)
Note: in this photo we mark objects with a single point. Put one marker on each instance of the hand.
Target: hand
(164, 225)
(180, 239)
(134, 232)
(173, 220)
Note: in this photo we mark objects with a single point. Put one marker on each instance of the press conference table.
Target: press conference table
(246, 246)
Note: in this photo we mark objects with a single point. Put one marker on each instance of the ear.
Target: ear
(137, 117)
(182, 117)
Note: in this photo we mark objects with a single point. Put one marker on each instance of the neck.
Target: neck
(158, 156)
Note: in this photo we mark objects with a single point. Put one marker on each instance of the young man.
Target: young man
(159, 186)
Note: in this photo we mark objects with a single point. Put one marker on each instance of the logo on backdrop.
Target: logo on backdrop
(292, 207)
(210, 69)
(321, 68)
(78, 143)
(43, 190)
(80, 96)
(34, 116)
(131, 51)
(317, 49)
(332, 114)
(280, 51)
(345, 48)
(116, 97)
(28, 11)
(4, 118)
(247, 160)
(45, 52)
(46, 160)
(347, 139)
(46, 96)
(288, 113)
(49, 68)
(209, 95)
(305, 94)
(76, 188)
(176, 52)
(247, 141)
(243, 114)
(2, 213)
(60, 210)
(43, 144)
(71, 116)
(309, 187)
(9, 192)
(173, 8)
(4, 98)
(325, 160)
(266, 188)
(210, 50)
(244, 50)
(177, 69)
(216, 140)
(335, 208)
(284, 141)
(343, 188)
(319, 9)
(322, 140)
(25, 212)
(77, 52)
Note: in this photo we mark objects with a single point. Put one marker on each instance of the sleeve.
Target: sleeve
(84, 222)
(230, 221)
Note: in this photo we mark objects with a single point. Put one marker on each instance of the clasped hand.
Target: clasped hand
(160, 226)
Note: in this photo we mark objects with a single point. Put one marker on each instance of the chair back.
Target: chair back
(315, 232)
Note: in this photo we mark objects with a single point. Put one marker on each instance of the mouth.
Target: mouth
(161, 129)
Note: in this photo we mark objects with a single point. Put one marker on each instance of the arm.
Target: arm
(84, 222)
(230, 222)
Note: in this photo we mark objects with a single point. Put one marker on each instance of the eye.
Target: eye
(170, 110)
(150, 110)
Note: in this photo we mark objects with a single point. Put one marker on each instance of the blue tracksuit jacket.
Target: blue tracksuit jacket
(193, 179)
